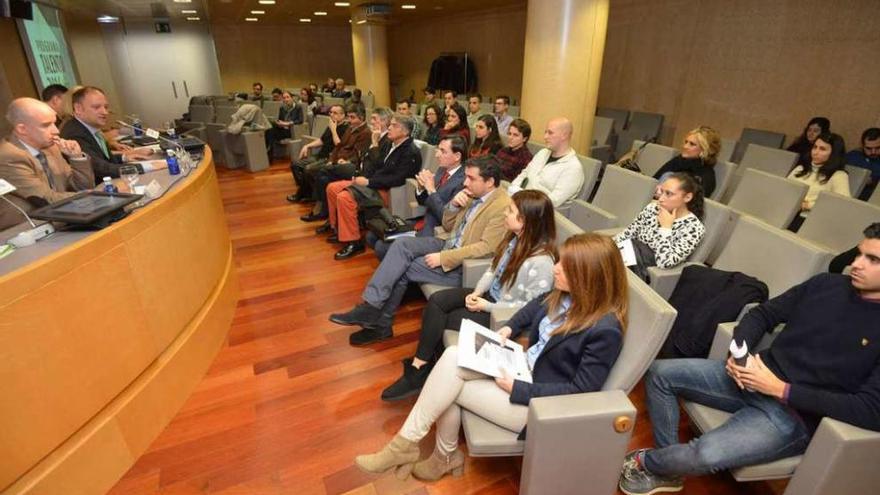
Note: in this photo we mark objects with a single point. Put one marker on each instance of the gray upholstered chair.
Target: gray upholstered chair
(875, 197)
(247, 150)
(653, 156)
(591, 167)
(773, 199)
(858, 179)
(576, 443)
(777, 257)
(724, 173)
(771, 160)
(836, 222)
(727, 148)
(760, 137)
(223, 113)
(603, 129)
(643, 126)
(217, 142)
(620, 197)
(201, 113)
(271, 108)
(620, 117)
(535, 147)
(834, 462)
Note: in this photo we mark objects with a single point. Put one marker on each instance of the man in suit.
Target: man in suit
(90, 114)
(331, 138)
(475, 220)
(385, 170)
(32, 160)
(339, 90)
(53, 95)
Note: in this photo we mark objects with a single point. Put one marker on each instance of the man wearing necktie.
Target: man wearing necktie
(475, 220)
(32, 158)
(91, 111)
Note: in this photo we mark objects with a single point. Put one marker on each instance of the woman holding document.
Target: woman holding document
(575, 336)
(521, 271)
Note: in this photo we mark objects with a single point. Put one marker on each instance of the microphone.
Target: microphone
(158, 135)
(36, 232)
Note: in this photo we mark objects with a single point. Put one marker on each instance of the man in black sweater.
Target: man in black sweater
(824, 363)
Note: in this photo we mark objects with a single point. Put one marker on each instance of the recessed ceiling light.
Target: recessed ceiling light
(305, 19)
(362, 21)
(251, 19)
(107, 19)
(408, 6)
(266, 2)
(189, 12)
(258, 12)
(193, 19)
(342, 4)
(182, 1)
(320, 13)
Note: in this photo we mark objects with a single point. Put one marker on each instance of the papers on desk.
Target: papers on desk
(628, 252)
(480, 349)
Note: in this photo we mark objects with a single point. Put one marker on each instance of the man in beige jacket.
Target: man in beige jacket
(474, 219)
(32, 158)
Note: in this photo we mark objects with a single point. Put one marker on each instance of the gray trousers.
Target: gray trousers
(405, 263)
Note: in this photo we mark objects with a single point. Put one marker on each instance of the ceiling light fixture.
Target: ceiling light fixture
(182, 1)
(251, 19)
(408, 6)
(189, 12)
(362, 21)
(320, 13)
(305, 19)
(107, 19)
(342, 4)
(258, 12)
(266, 2)
(193, 19)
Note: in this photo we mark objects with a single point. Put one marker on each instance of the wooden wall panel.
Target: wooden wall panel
(92, 58)
(495, 39)
(15, 74)
(750, 63)
(281, 56)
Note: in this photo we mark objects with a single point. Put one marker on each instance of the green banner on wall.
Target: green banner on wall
(48, 52)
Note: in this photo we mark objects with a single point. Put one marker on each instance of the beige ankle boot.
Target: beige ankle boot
(436, 466)
(400, 452)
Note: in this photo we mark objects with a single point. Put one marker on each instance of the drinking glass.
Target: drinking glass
(129, 173)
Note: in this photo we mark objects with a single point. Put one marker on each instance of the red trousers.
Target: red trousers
(344, 210)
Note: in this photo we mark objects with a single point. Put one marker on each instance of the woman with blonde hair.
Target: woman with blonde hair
(575, 336)
(699, 152)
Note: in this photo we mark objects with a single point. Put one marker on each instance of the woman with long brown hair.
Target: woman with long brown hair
(521, 271)
(575, 336)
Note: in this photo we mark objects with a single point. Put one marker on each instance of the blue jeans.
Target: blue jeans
(761, 429)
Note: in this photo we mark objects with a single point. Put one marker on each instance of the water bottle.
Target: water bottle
(173, 166)
(138, 126)
(109, 187)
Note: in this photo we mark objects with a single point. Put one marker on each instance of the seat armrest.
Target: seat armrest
(748, 307)
(398, 202)
(556, 451)
(590, 217)
(500, 316)
(663, 281)
(602, 153)
(472, 270)
(721, 342)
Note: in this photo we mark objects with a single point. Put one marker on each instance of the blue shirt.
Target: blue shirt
(495, 288)
(545, 328)
(858, 158)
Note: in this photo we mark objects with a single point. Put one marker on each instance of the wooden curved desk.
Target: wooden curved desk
(102, 340)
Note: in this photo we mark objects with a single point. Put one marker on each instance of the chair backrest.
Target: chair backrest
(535, 147)
(650, 319)
(718, 220)
(487, 108)
(565, 228)
(620, 117)
(223, 114)
(775, 200)
(271, 108)
(591, 173)
(624, 193)
(777, 257)
(645, 125)
(728, 146)
(760, 137)
(837, 221)
(513, 111)
(875, 197)
(858, 179)
(771, 160)
(201, 113)
(653, 156)
(330, 100)
(724, 171)
(603, 128)
(320, 125)
(429, 155)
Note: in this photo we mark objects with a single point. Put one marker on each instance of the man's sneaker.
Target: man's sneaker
(630, 461)
(636, 480)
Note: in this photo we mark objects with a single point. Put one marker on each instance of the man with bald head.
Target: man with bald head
(32, 158)
(91, 113)
(556, 169)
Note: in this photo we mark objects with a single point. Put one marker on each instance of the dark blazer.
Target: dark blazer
(404, 162)
(103, 165)
(434, 203)
(570, 364)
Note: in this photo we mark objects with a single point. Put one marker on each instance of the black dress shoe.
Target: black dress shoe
(350, 250)
(313, 217)
(333, 239)
(294, 198)
(363, 315)
(368, 336)
(323, 229)
(409, 384)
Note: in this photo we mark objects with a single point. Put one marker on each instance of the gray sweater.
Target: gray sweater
(533, 278)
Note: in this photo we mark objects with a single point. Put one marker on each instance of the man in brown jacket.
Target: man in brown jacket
(474, 219)
(32, 158)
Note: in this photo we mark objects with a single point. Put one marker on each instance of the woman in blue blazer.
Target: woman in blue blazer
(575, 336)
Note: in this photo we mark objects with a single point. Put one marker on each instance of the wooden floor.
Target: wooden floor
(287, 403)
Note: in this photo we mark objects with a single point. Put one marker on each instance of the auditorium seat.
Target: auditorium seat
(621, 196)
(201, 113)
(834, 462)
(217, 142)
(724, 173)
(603, 129)
(653, 156)
(836, 222)
(620, 117)
(223, 114)
(727, 148)
(193, 129)
(247, 150)
(875, 197)
(565, 228)
(568, 432)
(534, 147)
(271, 109)
(760, 137)
(642, 125)
(771, 160)
(775, 256)
(512, 110)
(775, 200)
(858, 179)
(591, 167)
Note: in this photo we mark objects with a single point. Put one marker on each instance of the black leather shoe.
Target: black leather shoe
(350, 250)
(294, 198)
(368, 336)
(409, 384)
(312, 217)
(363, 315)
(333, 239)
(323, 229)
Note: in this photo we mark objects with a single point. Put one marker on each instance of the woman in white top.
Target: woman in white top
(826, 173)
(671, 226)
(521, 271)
